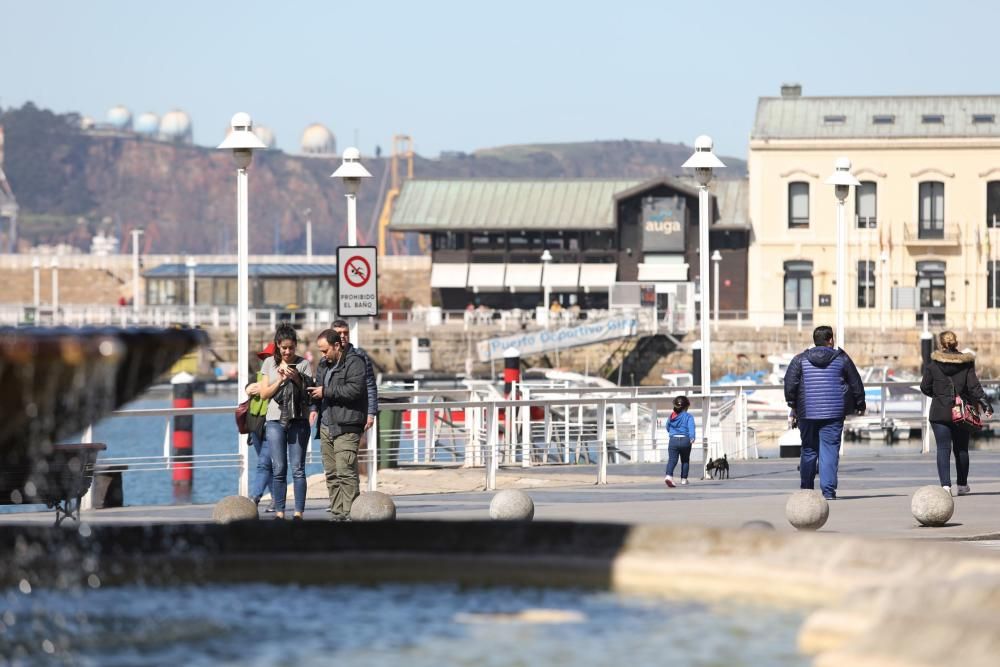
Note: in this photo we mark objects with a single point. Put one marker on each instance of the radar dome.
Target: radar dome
(176, 126)
(119, 117)
(86, 123)
(265, 135)
(147, 123)
(317, 140)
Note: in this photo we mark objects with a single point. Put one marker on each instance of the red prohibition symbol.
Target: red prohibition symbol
(357, 271)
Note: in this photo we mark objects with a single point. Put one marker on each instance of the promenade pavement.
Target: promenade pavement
(874, 497)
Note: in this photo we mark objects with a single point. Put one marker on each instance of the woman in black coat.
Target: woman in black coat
(951, 373)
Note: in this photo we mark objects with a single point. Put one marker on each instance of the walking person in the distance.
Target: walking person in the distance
(680, 430)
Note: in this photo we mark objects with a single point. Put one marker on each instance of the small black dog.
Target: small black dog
(718, 468)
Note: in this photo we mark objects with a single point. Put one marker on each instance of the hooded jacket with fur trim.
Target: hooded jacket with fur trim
(951, 374)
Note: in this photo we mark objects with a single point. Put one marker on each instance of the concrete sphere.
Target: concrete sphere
(932, 505)
(234, 508)
(374, 506)
(757, 524)
(512, 505)
(807, 510)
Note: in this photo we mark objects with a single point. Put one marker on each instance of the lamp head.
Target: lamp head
(351, 170)
(241, 140)
(190, 263)
(716, 256)
(703, 161)
(842, 179)
(546, 256)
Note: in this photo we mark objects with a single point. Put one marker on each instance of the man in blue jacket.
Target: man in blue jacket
(822, 386)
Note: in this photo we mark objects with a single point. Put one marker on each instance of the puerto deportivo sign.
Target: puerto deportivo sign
(537, 342)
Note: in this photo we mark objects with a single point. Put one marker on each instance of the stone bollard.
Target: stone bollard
(234, 508)
(757, 524)
(932, 505)
(807, 510)
(512, 505)
(373, 506)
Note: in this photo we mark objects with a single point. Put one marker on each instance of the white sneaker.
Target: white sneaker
(684, 481)
(669, 481)
(964, 490)
(947, 488)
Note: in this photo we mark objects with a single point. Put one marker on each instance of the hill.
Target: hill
(69, 183)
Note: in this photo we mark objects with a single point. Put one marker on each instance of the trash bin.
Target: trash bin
(389, 424)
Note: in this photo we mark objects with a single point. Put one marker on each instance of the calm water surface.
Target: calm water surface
(389, 625)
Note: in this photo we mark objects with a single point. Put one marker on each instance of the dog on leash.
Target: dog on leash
(718, 468)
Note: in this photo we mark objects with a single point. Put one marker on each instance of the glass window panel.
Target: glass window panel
(798, 204)
(866, 204)
(320, 293)
(993, 204)
(279, 292)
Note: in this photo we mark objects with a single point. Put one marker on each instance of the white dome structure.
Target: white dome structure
(86, 123)
(265, 135)
(176, 126)
(317, 140)
(147, 123)
(119, 118)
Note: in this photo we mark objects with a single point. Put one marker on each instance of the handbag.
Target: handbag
(966, 416)
(251, 414)
(242, 410)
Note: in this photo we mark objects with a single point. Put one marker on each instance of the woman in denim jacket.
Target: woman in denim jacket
(680, 430)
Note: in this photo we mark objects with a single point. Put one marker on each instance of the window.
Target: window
(798, 290)
(931, 290)
(604, 240)
(866, 284)
(866, 205)
(837, 119)
(488, 241)
(993, 204)
(449, 241)
(993, 284)
(883, 119)
(983, 118)
(798, 205)
(319, 292)
(931, 210)
(280, 292)
(932, 119)
(524, 241)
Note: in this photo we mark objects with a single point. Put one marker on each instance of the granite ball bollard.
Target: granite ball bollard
(234, 508)
(932, 505)
(757, 524)
(512, 505)
(373, 506)
(807, 510)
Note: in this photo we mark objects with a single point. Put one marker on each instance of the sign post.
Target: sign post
(357, 281)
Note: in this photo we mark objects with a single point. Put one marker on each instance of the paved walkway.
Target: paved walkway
(874, 497)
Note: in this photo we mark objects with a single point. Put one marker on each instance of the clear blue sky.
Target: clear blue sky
(464, 75)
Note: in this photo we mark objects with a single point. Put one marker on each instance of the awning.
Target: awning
(561, 277)
(524, 276)
(598, 277)
(486, 277)
(449, 275)
(663, 272)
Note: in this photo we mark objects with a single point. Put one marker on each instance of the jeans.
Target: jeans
(340, 462)
(948, 439)
(820, 440)
(680, 446)
(262, 480)
(288, 448)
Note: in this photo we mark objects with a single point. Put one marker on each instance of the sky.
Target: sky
(468, 75)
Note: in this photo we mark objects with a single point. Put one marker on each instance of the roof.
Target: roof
(733, 198)
(429, 205)
(256, 271)
(854, 117)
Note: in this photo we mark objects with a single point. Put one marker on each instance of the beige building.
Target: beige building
(921, 229)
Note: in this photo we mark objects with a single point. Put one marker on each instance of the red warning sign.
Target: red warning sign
(357, 271)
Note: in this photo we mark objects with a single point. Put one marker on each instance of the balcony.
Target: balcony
(929, 233)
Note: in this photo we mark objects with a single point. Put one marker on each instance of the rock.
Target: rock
(512, 505)
(373, 506)
(807, 510)
(758, 524)
(932, 505)
(234, 508)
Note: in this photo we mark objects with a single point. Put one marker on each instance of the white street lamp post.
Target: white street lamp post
(55, 290)
(703, 162)
(351, 171)
(242, 142)
(191, 266)
(546, 262)
(309, 235)
(842, 180)
(36, 267)
(884, 257)
(716, 258)
(136, 233)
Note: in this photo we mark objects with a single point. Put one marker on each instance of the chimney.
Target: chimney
(791, 90)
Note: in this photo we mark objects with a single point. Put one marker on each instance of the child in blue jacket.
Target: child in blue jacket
(680, 430)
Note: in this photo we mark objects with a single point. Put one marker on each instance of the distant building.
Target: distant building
(8, 206)
(318, 141)
(271, 285)
(488, 236)
(922, 227)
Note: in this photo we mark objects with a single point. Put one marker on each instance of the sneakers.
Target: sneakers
(964, 490)
(684, 481)
(947, 488)
(669, 481)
